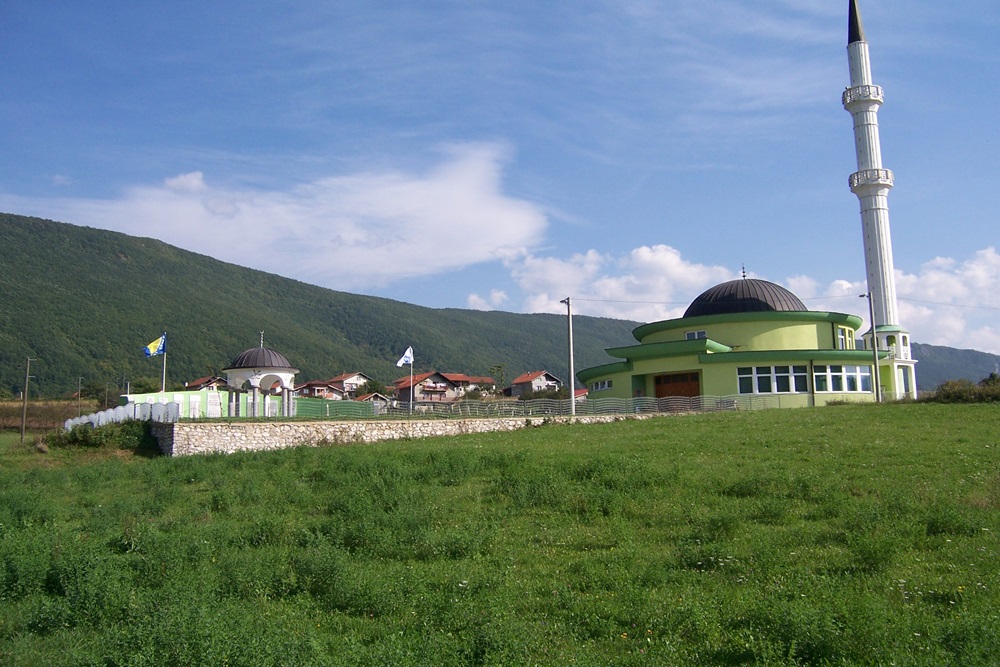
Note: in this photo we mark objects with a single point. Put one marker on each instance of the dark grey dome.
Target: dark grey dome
(746, 295)
(259, 357)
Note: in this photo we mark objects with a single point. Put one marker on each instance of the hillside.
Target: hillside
(84, 302)
(938, 363)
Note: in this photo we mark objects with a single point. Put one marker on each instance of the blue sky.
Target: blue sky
(626, 153)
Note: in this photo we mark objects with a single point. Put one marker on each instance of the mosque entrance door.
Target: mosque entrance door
(677, 384)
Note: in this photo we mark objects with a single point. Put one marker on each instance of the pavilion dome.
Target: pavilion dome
(259, 357)
(744, 295)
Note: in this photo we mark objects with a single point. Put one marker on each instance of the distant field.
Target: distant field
(847, 535)
(42, 414)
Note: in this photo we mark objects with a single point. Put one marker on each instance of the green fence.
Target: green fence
(322, 409)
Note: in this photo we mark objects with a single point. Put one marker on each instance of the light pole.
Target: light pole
(24, 398)
(876, 379)
(572, 377)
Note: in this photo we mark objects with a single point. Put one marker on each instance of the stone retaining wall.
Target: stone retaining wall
(185, 438)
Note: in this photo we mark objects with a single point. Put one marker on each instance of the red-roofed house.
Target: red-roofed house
(319, 389)
(381, 402)
(209, 382)
(431, 386)
(534, 381)
(348, 383)
(467, 383)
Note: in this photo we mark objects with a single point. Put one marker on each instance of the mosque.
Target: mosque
(753, 337)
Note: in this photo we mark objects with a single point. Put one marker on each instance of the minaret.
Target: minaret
(871, 183)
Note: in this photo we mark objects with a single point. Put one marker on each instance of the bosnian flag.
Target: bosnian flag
(158, 346)
(407, 357)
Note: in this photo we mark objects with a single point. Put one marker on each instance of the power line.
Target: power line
(901, 298)
(658, 303)
(950, 305)
(812, 298)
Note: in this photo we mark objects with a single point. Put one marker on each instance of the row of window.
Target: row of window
(845, 337)
(781, 379)
(794, 379)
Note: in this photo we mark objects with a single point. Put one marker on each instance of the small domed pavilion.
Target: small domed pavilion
(263, 369)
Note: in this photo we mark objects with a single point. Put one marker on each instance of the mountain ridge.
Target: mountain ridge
(82, 302)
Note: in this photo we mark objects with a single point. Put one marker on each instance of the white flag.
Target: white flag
(407, 357)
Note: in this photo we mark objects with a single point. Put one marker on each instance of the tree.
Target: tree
(371, 387)
(498, 373)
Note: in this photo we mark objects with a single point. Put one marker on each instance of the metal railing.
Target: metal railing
(320, 409)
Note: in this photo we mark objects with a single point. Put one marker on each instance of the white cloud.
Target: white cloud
(947, 302)
(495, 299)
(345, 232)
(649, 283)
(954, 303)
(193, 182)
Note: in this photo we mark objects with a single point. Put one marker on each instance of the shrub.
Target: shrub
(965, 391)
(131, 434)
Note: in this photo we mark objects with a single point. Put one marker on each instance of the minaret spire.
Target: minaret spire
(871, 183)
(855, 31)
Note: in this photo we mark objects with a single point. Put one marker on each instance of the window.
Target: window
(841, 338)
(601, 385)
(695, 335)
(772, 379)
(842, 378)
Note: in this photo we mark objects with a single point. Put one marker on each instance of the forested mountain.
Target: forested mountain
(83, 302)
(937, 363)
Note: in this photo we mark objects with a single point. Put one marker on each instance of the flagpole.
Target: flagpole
(163, 383)
(412, 390)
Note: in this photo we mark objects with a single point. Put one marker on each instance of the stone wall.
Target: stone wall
(185, 438)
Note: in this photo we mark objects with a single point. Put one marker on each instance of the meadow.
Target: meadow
(845, 535)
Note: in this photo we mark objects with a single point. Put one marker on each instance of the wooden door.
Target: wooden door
(678, 384)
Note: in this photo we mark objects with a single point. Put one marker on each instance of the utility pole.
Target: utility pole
(24, 405)
(572, 377)
(79, 397)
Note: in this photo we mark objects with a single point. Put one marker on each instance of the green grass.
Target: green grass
(857, 535)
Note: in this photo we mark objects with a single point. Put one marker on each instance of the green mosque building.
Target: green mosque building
(745, 337)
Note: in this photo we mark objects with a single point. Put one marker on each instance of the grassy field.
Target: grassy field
(847, 535)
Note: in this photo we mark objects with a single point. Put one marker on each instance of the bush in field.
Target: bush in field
(130, 434)
(965, 391)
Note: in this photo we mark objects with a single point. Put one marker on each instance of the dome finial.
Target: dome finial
(262, 339)
(744, 272)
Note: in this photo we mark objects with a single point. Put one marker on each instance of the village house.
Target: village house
(533, 382)
(467, 383)
(319, 389)
(348, 383)
(381, 401)
(208, 382)
(432, 386)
